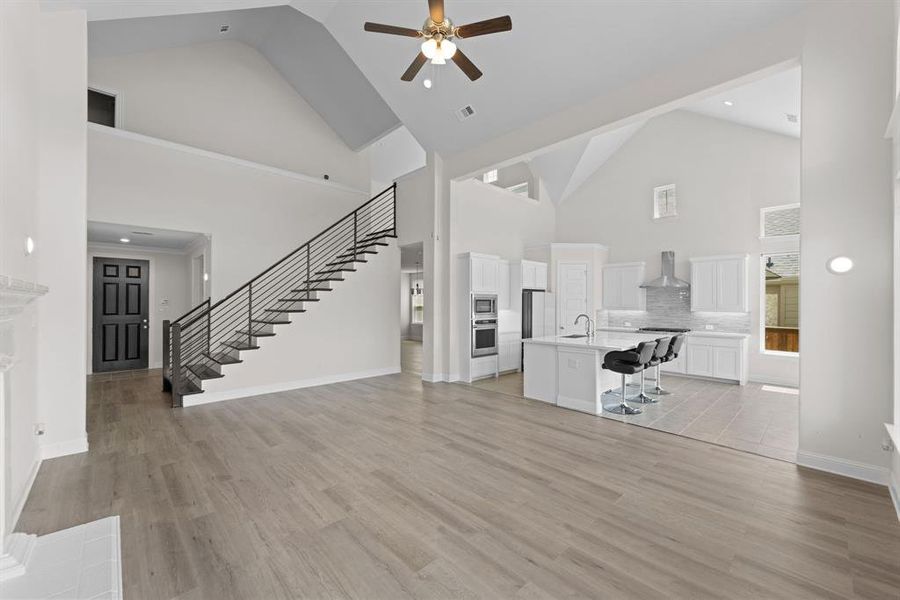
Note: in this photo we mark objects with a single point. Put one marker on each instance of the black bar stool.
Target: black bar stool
(662, 347)
(628, 362)
(672, 354)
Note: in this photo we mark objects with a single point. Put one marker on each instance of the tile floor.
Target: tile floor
(77, 563)
(754, 418)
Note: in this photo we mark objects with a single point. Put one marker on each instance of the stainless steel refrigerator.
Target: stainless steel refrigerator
(538, 315)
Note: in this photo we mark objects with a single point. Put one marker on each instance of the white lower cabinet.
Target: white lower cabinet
(718, 357)
(679, 365)
(700, 360)
(483, 366)
(726, 363)
(510, 352)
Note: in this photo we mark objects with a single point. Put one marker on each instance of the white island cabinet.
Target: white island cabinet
(568, 371)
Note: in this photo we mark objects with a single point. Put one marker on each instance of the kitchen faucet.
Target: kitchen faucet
(588, 327)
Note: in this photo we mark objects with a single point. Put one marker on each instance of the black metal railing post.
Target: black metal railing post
(250, 314)
(394, 200)
(167, 356)
(208, 328)
(354, 233)
(308, 279)
(175, 379)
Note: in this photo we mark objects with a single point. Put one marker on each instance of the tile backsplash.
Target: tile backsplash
(671, 307)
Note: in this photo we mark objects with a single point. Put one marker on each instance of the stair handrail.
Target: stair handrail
(391, 188)
(269, 292)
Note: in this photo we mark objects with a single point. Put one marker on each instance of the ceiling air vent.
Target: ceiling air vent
(465, 112)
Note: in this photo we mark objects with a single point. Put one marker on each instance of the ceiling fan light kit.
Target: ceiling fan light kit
(439, 33)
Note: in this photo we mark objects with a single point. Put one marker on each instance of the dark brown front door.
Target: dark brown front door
(121, 325)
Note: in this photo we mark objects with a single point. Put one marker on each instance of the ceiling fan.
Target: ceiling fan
(439, 34)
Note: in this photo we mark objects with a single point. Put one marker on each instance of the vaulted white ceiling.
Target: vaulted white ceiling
(558, 54)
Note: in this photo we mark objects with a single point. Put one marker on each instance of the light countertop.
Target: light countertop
(658, 334)
(601, 341)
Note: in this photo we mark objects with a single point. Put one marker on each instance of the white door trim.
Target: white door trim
(560, 294)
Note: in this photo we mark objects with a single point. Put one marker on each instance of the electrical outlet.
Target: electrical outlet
(710, 327)
(38, 429)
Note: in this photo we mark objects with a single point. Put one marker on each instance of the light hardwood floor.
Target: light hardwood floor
(390, 488)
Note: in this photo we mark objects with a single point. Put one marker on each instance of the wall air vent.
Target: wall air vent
(465, 112)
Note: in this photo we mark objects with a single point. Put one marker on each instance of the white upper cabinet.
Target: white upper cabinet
(534, 275)
(485, 274)
(622, 287)
(719, 284)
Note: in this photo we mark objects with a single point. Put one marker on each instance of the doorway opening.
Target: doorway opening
(412, 307)
(137, 278)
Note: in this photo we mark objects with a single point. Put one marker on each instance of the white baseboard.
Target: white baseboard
(207, 397)
(779, 381)
(434, 377)
(840, 466)
(894, 488)
(64, 448)
(20, 502)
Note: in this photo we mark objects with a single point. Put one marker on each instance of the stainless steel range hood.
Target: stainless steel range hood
(668, 279)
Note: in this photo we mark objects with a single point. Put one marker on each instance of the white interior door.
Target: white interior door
(573, 296)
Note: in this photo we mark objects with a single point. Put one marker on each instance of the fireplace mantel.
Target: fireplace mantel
(16, 294)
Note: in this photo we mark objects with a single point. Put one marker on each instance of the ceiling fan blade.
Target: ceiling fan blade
(495, 25)
(436, 8)
(468, 67)
(391, 29)
(414, 67)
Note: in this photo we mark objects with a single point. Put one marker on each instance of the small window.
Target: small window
(778, 221)
(490, 176)
(664, 202)
(781, 278)
(101, 108)
(519, 188)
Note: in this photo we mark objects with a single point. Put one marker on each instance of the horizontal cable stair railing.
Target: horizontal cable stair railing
(210, 335)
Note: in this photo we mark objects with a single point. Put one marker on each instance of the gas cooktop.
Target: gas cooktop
(665, 329)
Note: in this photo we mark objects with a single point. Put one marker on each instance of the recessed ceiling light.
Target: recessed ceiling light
(728, 103)
(427, 84)
(124, 240)
(29, 245)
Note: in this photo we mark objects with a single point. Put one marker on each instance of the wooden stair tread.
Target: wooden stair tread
(223, 358)
(272, 321)
(188, 388)
(256, 333)
(204, 372)
(238, 346)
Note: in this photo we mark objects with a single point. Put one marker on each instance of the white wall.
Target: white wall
(63, 232)
(353, 332)
(848, 93)
(724, 172)
(226, 97)
(19, 122)
(489, 220)
(253, 217)
(43, 74)
(169, 279)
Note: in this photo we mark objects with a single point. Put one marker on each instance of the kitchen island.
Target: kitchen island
(567, 371)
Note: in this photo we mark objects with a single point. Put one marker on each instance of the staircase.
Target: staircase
(197, 345)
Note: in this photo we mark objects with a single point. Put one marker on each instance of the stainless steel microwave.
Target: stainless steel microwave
(484, 306)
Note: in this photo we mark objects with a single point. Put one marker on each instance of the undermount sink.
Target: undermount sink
(574, 335)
